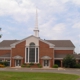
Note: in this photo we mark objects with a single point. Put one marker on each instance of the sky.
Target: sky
(57, 19)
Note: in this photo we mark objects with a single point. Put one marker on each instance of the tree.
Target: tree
(69, 61)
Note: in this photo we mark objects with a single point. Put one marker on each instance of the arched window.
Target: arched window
(32, 44)
(32, 53)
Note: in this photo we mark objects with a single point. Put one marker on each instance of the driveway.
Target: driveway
(52, 70)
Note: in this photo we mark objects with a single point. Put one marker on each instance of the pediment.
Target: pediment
(32, 39)
(17, 57)
(46, 57)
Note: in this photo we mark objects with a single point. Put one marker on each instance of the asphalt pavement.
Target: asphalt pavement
(50, 70)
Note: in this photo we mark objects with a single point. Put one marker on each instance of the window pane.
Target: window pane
(36, 54)
(27, 55)
(32, 44)
(32, 54)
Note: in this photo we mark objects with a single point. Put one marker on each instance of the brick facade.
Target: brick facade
(63, 51)
(45, 50)
(18, 50)
(3, 52)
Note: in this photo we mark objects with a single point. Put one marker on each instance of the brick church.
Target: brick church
(35, 50)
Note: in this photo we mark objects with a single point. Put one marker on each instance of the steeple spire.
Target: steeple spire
(36, 30)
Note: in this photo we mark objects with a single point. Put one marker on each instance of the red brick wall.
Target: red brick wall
(18, 50)
(63, 51)
(2, 52)
(44, 50)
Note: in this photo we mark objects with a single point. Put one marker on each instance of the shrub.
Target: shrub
(55, 66)
(4, 63)
(39, 65)
(77, 65)
(1, 66)
(31, 63)
(28, 66)
(23, 65)
(69, 61)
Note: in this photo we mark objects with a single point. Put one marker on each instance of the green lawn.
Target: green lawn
(36, 76)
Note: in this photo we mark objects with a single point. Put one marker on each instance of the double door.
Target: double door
(17, 63)
(46, 63)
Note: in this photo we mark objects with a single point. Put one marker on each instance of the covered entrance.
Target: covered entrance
(18, 60)
(46, 61)
(17, 63)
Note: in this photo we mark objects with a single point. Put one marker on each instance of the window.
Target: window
(27, 54)
(32, 53)
(36, 54)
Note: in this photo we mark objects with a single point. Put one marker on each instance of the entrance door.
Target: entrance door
(17, 62)
(46, 63)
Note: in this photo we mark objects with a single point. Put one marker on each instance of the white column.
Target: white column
(25, 54)
(35, 54)
(28, 54)
(10, 62)
(38, 54)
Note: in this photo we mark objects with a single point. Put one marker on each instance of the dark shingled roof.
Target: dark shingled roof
(57, 43)
(7, 43)
(61, 43)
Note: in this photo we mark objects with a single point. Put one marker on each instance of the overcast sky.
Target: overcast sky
(57, 19)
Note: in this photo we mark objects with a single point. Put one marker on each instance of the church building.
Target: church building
(35, 50)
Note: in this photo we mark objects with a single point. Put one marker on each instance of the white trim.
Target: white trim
(35, 54)
(46, 57)
(57, 58)
(10, 62)
(48, 64)
(62, 58)
(38, 54)
(18, 65)
(64, 48)
(50, 44)
(28, 54)
(17, 57)
(25, 54)
(11, 57)
(53, 56)
(5, 48)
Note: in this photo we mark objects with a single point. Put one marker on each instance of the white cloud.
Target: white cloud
(52, 32)
(19, 11)
(76, 25)
(59, 27)
(77, 2)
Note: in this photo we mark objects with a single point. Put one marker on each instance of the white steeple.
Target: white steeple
(36, 30)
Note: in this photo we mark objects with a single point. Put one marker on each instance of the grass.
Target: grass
(36, 76)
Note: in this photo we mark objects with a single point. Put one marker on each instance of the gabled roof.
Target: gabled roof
(56, 43)
(7, 43)
(51, 45)
(61, 43)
